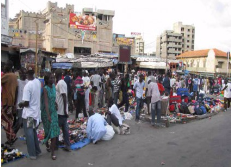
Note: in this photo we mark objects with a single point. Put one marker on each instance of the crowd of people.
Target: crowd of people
(52, 96)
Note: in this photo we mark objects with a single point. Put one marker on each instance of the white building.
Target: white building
(139, 45)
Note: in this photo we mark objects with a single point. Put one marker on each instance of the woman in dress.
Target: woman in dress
(49, 113)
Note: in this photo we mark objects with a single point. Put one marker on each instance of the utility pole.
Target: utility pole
(228, 55)
(36, 49)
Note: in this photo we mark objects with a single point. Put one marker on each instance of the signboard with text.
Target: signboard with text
(84, 22)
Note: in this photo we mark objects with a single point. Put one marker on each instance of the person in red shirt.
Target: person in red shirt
(160, 86)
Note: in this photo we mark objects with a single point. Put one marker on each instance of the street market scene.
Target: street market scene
(74, 93)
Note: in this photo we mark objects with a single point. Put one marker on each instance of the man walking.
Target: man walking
(9, 91)
(227, 94)
(153, 92)
(80, 103)
(62, 111)
(138, 87)
(166, 84)
(31, 113)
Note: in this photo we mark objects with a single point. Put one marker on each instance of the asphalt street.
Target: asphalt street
(205, 142)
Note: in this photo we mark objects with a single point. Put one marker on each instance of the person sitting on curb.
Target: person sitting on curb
(95, 126)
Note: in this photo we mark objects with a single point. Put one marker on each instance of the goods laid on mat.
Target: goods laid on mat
(9, 154)
(77, 131)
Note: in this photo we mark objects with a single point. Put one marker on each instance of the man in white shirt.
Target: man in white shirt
(172, 81)
(138, 87)
(87, 87)
(227, 94)
(152, 78)
(62, 102)
(113, 116)
(31, 113)
(21, 84)
(153, 92)
(96, 79)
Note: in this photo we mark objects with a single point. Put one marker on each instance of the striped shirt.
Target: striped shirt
(115, 84)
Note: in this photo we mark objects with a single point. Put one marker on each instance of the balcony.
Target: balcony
(174, 45)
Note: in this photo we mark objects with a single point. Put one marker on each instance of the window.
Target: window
(182, 45)
(100, 17)
(204, 63)
(188, 46)
(188, 35)
(183, 40)
(219, 65)
(193, 31)
(188, 30)
(192, 36)
(182, 29)
(187, 41)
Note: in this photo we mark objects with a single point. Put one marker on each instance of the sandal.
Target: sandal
(48, 149)
(54, 157)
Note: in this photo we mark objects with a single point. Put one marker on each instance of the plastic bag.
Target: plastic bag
(128, 116)
(109, 134)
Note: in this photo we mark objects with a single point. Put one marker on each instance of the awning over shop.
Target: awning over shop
(153, 65)
(62, 65)
(92, 64)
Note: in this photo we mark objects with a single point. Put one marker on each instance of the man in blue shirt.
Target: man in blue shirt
(138, 87)
(95, 126)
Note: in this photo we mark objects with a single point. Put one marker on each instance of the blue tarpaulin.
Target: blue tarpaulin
(62, 65)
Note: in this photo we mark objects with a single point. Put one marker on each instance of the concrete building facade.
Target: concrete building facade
(139, 45)
(55, 34)
(169, 44)
(174, 42)
(188, 35)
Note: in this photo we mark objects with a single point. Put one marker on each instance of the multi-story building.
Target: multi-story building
(188, 35)
(56, 34)
(174, 42)
(169, 44)
(139, 45)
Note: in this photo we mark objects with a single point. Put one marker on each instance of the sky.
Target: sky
(211, 18)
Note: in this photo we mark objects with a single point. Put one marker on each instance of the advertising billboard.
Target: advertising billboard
(125, 41)
(115, 36)
(84, 22)
(124, 54)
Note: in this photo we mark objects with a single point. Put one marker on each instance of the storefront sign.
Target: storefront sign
(6, 39)
(135, 34)
(92, 64)
(84, 22)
